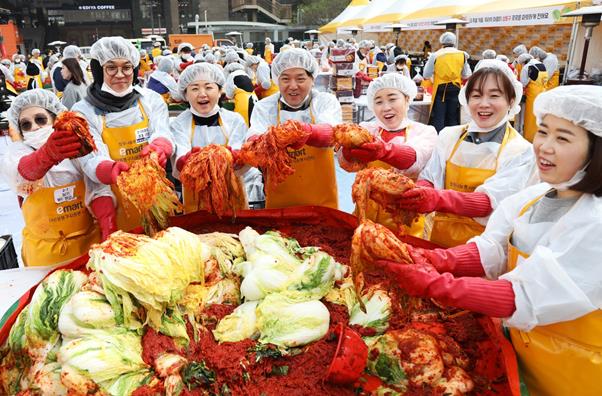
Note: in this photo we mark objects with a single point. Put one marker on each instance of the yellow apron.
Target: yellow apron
(190, 203)
(533, 89)
(144, 67)
(267, 55)
(249, 51)
(377, 214)
(156, 52)
(273, 89)
(518, 68)
(58, 226)
(313, 183)
(241, 103)
(564, 358)
(451, 230)
(125, 144)
(448, 70)
(554, 81)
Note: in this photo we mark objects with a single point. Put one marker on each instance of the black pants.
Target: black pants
(446, 107)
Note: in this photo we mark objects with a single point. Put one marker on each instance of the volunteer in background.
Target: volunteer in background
(475, 166)
(249, 48)
(540, 254)
(76, 86)
(162, 82)
(19, 71)
(252, 63)
(400, 66)
(517, 52)
(126, 121)
(156, 51)
(269, 51)
(185, 57)
(145, 64)
(265, 84)
(239, 88)
(399, 143)
(206, 123)
(313, 182)
(447, 67)
(35, 70)
(550, 61)
(534, 78)
(57, 198)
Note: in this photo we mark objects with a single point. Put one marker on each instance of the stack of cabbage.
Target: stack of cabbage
(81, 334)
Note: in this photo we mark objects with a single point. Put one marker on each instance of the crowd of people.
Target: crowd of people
(516, 214)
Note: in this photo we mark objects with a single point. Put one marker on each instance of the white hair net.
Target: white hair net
(448, 38)
(519, 50)
(399, 57)
(231, 57)
(72, 51)
(268, 40)
(394, 81)
(523, 59)
(35, 51)
(579, 104)
(538, 53)
(156, 44)
(200, 71)
(166, 52)
(249, 45)
(340, 43)
(502, 58)
(210, 58)
(231, 67)
(293, 58)
(185, 45)
(497, 64)
(166, 65)
(199, 58)
(143, 52)
(489, 54)
(108, 48)
(364, 44)
(252, 60)
(35, 97)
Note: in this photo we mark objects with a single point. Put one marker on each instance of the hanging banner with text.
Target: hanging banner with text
(531, 16)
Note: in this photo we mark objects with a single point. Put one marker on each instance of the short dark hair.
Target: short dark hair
(478, 79)
(77, 76)
(592, 182)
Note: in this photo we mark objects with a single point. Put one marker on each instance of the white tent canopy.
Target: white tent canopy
(353, 10)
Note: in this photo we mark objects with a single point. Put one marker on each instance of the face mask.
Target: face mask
(303, 103)
(37, 138)
(186, 57)
(403, 124)
(211, 113)
(107, 89)
(473, 127)
(577, 177)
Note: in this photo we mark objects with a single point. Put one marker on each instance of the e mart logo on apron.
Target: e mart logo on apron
(67, 209)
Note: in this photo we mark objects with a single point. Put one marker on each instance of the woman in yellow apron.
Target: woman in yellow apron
(314, 181)
(126, 122)
(534, 78)
(59, 202)
(550, 61)
(547, 285)
(400, 143)
(206, 123)
(265, 85)
(268, 51)
(475, 166)
(239, 88)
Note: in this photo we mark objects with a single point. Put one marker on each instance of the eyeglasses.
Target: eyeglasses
(112, 70)
(40, 119)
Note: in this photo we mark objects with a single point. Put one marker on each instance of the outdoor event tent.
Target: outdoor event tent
(376, 8)
(355, 8)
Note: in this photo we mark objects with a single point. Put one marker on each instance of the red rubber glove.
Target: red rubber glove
(400, 156)
(462, 260)
(321, 135)
(183, 159)
(424, 183)
(162, 147)
(491, 298)
(108, 171)
(426, 200)
(59, 146)
(106, 215)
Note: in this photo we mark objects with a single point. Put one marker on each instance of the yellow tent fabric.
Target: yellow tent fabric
(376, 8)
(353, 9)
(395, 12)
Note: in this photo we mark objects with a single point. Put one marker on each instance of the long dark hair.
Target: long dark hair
(77, 75)
(592, 182)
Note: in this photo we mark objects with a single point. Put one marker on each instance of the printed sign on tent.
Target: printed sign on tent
(531, 16)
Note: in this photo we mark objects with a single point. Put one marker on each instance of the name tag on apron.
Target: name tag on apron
(142, 135)
(64, 194)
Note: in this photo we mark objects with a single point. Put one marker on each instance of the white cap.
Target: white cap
(252, 60)
(523, 59)
(519, 50)
(249, 45)
(166, 64)
(35, 51)
(156, 44)
(143, 52)
(231, 57)
(72, 51)
(166, 52)
(579, 104)
(497, 64)
(35, 97)
(489, 54)
(210, 58)
(502, 58)
(294, 58)
(448, 38)
(538, 53)
(392, 80)
(185, 45)
(200, 71)
(108, 48)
